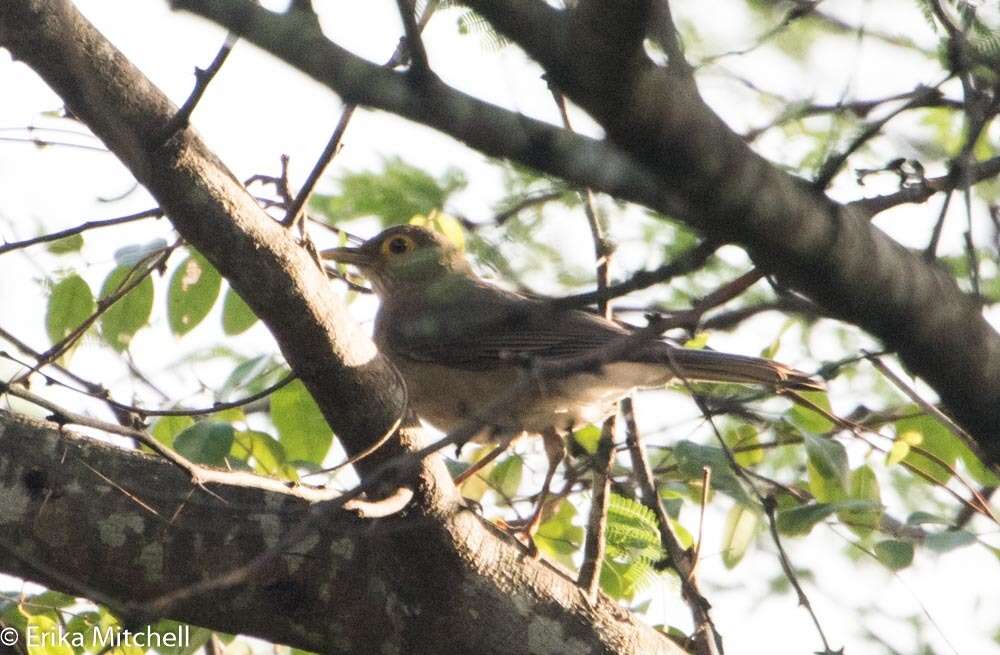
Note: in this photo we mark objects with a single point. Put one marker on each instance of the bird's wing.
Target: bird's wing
(485, 327)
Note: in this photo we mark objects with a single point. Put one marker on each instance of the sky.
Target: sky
(258, 109)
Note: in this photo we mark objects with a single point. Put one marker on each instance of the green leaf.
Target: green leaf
(301, 427)
(896, 555)
(473, 488)
(698, 341)
(86, 624)
(771, 351)
(684, 537)
(673, 500)
(228, 415)
(632, 530)
(194, 286)
(505, 478)
(934, 448)
(623, 580)
(52, 599)
(827, 468)
(692, 457)
(739, 532)
(237, 317)
(901, 448)
(109, 621)
(558, 538)
(442, 223)
(828, 455)
(808, 419)
(942, 542)
(70, 304)
(166, 428)
(934, 445)
(251, 376)
(131, 312)
(925, 518)
(46, 632)
(800, 520)
(206, 442)
(72, 243)
(266, 452)
(197, 637)
(863, 486)
(394, 194)
(739, 439)
(588, 437)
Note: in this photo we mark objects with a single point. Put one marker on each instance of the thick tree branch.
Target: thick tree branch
(485, 127)
(350, 585)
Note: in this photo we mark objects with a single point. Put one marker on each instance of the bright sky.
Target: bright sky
(258, 109)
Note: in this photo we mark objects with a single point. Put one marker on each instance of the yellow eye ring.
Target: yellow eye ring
(397, 245)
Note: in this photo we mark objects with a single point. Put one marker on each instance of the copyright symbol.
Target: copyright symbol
(8, 636)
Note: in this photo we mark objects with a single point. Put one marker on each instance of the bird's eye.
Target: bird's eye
(398, 245)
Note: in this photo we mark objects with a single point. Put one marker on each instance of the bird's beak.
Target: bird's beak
(355, 256)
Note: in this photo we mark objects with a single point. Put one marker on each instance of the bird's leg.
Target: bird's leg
(555, 450)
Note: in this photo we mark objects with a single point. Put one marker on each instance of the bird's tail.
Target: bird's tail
(714, 366)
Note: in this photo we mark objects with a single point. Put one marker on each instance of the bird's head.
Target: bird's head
(404, 257)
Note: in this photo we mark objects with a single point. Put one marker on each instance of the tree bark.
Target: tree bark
(98, 521)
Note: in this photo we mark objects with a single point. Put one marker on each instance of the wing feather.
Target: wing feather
(481, 327)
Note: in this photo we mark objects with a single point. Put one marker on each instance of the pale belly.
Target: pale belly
(446, 398)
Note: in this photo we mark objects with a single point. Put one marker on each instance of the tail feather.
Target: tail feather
(714, 366)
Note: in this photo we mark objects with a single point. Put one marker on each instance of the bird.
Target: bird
(460, 342)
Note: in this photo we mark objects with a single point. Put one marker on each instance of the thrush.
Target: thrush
(460, 342)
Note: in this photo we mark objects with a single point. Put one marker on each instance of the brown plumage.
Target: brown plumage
(460, 342)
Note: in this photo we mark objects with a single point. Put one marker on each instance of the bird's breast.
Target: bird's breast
(447, 397)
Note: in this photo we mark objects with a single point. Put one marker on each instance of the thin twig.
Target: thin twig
(833, 165)
(103, 305)
(202, 77)
(686, 263)
(44, 143)
(63, 416)
(767, 502)
(709, 640)
(329, 152)
(706, 483)
(293, 216)
(505, 215)
(188, 411)
(930, 252)
(414, 44)
(594, 547)
(912, 394)
(921, 192)
(82, 227)
(859, 430)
